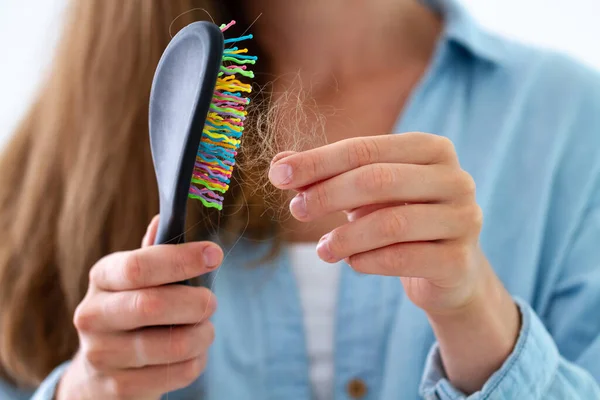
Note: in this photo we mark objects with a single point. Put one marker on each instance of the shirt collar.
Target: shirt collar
(462, 29)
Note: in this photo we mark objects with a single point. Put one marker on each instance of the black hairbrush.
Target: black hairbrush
(196, 121)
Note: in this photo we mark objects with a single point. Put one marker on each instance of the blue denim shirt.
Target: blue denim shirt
(526, 126)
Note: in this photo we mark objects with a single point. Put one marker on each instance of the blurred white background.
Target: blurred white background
(29, 30)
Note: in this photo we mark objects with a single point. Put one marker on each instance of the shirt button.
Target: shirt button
(357, 388)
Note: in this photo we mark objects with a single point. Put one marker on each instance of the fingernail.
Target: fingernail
(323, 249)
(212, 302)
(298, 206)
(212, 257)
(280, 174)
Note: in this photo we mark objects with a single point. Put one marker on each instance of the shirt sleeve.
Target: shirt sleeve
(47, 389)
(556, 359)
(535, 370)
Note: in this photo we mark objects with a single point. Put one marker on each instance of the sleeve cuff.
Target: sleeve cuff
(525, 374)
(47, 389)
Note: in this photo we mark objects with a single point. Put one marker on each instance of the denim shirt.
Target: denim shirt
(526, 126)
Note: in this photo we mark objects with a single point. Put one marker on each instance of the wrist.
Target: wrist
(476, 338)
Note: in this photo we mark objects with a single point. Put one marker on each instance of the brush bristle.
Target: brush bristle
(224, 126)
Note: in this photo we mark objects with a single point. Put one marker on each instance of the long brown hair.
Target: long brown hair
(77, 180)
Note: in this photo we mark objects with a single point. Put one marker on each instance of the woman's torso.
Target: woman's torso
(521, 125)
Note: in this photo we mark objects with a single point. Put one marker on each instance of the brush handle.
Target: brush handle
(170, 229)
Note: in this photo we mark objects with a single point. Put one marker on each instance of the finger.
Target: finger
(308, 167)
(413, 223)
(150, 235)
(152, 380)
(165, 305)
(381, 183)
(155, 266)
(148, 346)
(435, 261)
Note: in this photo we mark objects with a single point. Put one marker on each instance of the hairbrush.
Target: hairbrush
(197, 114)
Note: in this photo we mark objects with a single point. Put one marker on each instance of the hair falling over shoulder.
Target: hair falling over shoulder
(77, 180)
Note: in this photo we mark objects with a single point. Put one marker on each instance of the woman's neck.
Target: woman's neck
(343, 40)
(348, 56)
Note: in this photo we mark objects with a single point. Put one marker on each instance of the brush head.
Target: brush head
(180, 98)
(224, 126)
(196, 121)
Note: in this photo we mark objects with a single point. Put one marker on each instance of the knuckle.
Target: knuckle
(133, 272)
(466, 183)
(193, 369)
(182, 346)
(96, 356)
(83, 318)
(184, 259)
(394, 225)
(376, 178)
(311, 164)
(478, 218)
(204, 303)
(445, 142)
(209, 332)
(318, 197)
(444, 147)
(147, 304)
(336, 241)
(97, 272)
(94, 274)
(474, 216)
(361, 152)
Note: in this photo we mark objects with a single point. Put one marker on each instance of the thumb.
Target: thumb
(150, 235)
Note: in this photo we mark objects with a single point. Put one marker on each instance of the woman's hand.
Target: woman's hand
(412, 213)
(411, 208)
(139, 336)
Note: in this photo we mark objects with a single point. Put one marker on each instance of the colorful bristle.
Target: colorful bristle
(224, 126)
